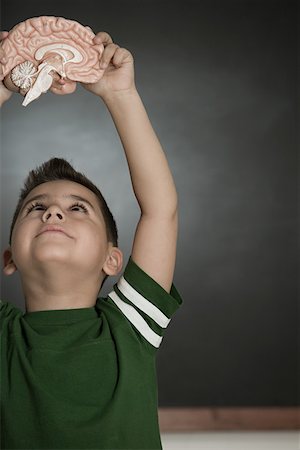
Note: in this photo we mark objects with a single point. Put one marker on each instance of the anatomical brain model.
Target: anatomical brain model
(40, 46)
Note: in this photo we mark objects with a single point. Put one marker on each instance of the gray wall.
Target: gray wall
(218, 79)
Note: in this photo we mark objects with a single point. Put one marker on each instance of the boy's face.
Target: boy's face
(60, 222)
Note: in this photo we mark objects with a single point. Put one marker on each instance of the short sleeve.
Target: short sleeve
(146, 305)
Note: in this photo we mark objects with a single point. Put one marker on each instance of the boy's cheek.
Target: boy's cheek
(19, 240)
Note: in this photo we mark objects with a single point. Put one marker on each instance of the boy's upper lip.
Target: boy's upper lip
(52, 228)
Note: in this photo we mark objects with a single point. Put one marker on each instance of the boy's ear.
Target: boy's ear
(9, 266)
(114, 261)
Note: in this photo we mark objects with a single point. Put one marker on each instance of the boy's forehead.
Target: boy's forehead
(61, 189)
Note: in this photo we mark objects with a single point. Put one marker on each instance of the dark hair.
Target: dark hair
(60, 169)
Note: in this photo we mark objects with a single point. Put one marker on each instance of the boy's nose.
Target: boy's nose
(53, 214)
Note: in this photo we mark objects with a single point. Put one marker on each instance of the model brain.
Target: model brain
(40, 46)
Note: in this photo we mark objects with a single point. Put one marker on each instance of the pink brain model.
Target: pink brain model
(42, 45)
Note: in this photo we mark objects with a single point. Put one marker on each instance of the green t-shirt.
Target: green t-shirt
(85, 378)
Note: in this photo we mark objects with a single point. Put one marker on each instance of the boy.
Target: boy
(78, 371)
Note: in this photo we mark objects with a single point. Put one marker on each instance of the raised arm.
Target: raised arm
(154, 247)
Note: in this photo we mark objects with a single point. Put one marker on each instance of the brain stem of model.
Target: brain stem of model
(40, 47)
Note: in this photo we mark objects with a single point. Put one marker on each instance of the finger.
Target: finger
(103, 38)
(108, 54)
(63, 89)
(9, 84)
(3, 35)
(121, 56)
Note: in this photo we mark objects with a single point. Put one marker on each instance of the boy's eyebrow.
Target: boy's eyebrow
(45, 196)
(81, 199)
(36, 197)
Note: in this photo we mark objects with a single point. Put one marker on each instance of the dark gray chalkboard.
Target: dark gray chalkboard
(218, 79)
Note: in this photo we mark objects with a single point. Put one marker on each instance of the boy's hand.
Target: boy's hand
(5, 93)
(117, 65)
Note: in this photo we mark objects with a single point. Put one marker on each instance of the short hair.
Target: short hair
(60, 169)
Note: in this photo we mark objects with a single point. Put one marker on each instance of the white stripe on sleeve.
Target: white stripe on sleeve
(143, 304)
(137, 320)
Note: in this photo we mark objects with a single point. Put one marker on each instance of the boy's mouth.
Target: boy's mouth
(53, 228)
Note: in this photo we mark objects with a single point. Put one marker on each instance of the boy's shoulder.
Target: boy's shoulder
(9, 313)
(8, 309)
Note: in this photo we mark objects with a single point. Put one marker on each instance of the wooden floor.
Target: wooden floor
(229, 419)
(273, 440)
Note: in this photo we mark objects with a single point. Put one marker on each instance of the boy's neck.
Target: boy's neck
(54, 292)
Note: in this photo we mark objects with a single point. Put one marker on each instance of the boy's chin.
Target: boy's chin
(58, 266)
(51, 255)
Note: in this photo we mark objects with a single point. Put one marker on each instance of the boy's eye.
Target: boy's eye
(35, 207)
(79, 207)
